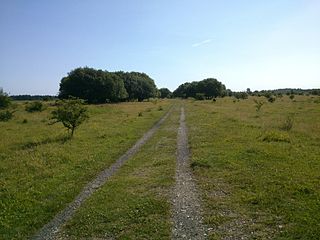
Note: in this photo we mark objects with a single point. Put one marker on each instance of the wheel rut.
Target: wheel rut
(51, 229)
(186, 210)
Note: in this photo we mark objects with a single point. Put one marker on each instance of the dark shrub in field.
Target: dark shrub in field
(36, 106)
(5, 115)
(271, 99)
(287, 124)
(4, 99)
(258, 105)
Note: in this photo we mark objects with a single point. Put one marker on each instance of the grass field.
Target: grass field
(41, 171)
(135, 204)
(257, 180)
(258, 172)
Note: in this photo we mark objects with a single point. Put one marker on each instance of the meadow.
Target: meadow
(42, 170)
(259, 178)
(257, 171)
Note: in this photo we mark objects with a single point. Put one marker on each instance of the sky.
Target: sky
(242, 43)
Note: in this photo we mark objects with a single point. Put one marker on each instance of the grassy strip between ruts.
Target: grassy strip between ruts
(135, 203)
(41, 172)
(257, 180)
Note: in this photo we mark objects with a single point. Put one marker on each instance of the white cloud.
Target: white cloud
(202, 43)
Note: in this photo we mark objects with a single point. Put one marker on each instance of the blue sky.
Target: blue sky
(256, 44)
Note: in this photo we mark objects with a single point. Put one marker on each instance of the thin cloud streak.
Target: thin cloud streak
(198, 44)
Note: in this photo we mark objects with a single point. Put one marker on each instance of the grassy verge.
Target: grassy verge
(41, 172)
(258, 181)
(135, 203)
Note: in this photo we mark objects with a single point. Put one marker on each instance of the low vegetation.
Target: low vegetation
(259, 177)
(35, 106)
(41, 172)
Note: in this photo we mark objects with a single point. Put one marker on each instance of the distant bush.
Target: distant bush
(5, 115)
(258, 105)
(5, 100)
(241, 95)
(287, 124)
(291, 96)
(271, 99)
(35, 106)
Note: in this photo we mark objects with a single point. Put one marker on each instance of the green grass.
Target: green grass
(41, 170)
(256, 179)
(135, 203)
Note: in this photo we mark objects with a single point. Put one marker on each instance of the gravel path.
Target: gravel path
(51, 230)
(187, 219)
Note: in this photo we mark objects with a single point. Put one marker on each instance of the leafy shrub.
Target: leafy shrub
(287, 124)
(35, 106)
(240, 95)
(71, 113)
(258, 105)
(5, 115)
(271, 99)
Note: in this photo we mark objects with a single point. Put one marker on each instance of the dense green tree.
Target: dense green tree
(95, 86)
(205, 89)
(4, 99)
(165, 93)
(139, 86)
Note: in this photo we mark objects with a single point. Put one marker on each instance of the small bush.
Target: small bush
(258, 105)
(5, 115)
(24, 121)
(287, 124)
(291, 96)
(36, 106)
(160, 108)
(140, 114)
(71, 113)
(271, 99)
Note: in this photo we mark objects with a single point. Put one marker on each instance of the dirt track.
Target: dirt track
(187, 219)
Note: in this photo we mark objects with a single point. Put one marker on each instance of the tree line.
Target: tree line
(98, 86)
(205, 89)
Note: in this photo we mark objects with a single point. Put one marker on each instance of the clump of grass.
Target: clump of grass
(160, 108)
(140, 114)
(287, 124)
(195, 165)
(275, 136)
(5, 115)
(25, 121)
(36, 106)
